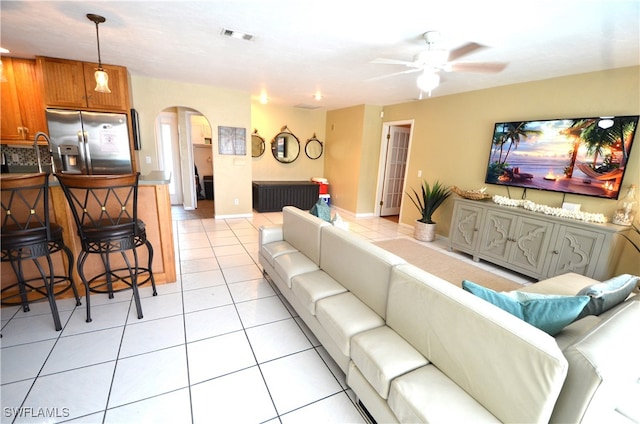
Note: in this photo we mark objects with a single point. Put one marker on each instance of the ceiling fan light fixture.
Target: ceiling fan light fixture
(102, 79)
(428, 80)
(432, 58)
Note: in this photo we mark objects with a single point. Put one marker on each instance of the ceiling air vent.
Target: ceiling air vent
(303, 106)
(236, 34)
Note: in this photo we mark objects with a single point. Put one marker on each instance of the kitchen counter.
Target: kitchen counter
(154, 209)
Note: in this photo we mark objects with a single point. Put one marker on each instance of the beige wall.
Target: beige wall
(303, 123)
(452, 134)
(370, 158)
(221, 107)
(343, 155)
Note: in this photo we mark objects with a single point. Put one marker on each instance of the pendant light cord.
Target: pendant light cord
(98, 41)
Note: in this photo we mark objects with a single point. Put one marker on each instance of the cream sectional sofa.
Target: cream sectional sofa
(416, 348)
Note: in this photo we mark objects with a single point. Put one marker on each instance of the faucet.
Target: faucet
(35, 146)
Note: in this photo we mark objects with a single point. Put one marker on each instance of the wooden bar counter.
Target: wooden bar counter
(154, 208)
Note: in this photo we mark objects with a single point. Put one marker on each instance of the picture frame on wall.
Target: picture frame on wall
(232, 141)
(135, 126)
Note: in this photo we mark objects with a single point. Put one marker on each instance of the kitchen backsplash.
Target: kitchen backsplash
(24, 155)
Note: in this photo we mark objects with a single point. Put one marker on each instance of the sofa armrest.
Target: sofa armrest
(603, 368)
(568, 284)
(269, 234)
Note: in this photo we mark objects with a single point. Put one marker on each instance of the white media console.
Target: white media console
(533, 244)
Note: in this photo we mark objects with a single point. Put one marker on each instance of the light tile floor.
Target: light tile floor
(218, 346)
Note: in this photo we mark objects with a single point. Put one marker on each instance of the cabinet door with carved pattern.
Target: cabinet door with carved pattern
(497, 235)
(530, 245)
(466, 227)
(575, 250)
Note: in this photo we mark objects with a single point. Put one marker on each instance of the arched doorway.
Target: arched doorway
(183, 137)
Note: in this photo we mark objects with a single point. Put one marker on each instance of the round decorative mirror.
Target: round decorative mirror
(313, 148)
(285, 146)
(257, 144)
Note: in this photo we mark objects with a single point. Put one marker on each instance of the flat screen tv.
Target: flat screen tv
(586, 156)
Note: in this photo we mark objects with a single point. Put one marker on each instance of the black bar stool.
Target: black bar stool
(105, 209)
(29, 235)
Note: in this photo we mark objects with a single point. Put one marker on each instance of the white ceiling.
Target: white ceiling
(301, 47)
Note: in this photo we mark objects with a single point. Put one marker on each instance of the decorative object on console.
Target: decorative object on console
(531, 154)
(102, 78)
(549, 210)
(427, 203)
(479, 194)
(626, 208)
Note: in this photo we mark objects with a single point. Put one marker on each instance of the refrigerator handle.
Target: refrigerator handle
(81, 138)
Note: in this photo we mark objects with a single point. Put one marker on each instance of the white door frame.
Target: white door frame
(189, 175)
(170, 118)
(384, 144)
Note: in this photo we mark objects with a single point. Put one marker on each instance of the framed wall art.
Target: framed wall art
(232, 141)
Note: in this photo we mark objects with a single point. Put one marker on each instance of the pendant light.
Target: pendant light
(102, 79)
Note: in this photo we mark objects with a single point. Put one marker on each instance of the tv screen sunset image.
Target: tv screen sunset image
(581, 156)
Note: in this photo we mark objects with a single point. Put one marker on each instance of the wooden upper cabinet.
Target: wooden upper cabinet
(71, 84)
(62, 82)
(22, 106)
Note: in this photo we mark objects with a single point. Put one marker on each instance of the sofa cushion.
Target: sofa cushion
(271, 250)
(550, 313)
(382, 355)
(474, 343)
(604, 296)
(321, 210)
(289, 265)
(302, 231)
(344, 316)
(313, 286)
(426, 395)
(360, 266)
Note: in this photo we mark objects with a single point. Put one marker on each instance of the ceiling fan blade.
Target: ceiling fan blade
(482, 67)
(409, 71)
(464, 50)
(391, 62)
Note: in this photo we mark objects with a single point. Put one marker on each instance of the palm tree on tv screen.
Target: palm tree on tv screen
(616, 137)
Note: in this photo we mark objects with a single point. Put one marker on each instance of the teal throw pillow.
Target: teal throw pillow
(321, 210)
(549, 313)
(604, 296)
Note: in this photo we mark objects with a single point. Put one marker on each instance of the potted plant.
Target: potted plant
(432, 197)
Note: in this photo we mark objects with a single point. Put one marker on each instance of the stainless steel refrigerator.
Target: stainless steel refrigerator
(89, 142)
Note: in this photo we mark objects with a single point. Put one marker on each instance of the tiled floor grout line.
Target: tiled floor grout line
(184, 328)
(115, 366)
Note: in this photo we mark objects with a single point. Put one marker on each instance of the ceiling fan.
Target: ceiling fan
(436, 59)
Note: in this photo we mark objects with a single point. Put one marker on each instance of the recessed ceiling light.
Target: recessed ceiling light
(236, 34)
(3, 50)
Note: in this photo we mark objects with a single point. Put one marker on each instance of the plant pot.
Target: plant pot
(424, 232)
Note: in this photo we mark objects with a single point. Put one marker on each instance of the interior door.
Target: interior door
(169, 153)
(395, 168)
